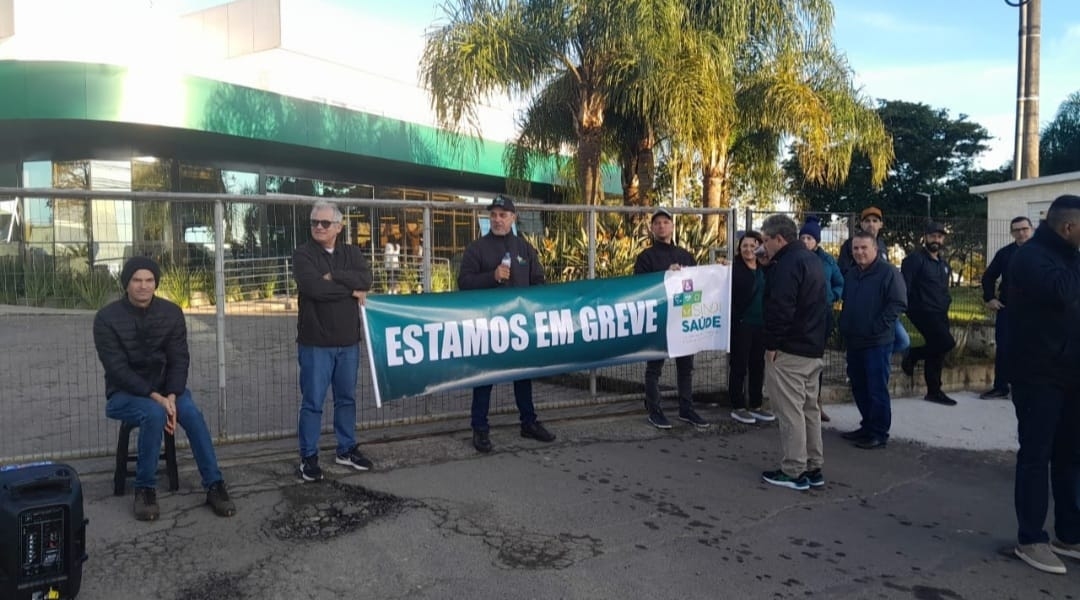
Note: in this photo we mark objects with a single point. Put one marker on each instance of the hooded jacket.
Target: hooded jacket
(329, 315)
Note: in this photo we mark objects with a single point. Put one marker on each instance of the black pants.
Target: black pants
(747, 357)
(684, 373)
(934, 327)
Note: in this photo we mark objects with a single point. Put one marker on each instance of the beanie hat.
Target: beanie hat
(812, 228)
(136, 263)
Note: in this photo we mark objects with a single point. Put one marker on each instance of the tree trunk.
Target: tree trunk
(589, 123)
(715, 192)
(630, 180)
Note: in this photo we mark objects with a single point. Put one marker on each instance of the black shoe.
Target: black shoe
(814, 478)
(907, 365)
(855, 435)
(146, 506)
(994, 394)
(658, 420)
(536, 431)
(481, 441)
(871, 443)
(218, 499)
(355, 459)
(939, 398)
(693, 418)
(309, 468)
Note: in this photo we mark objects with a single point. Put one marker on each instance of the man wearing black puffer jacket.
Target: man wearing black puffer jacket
(664, 255)
(141, 341)
(794, 307)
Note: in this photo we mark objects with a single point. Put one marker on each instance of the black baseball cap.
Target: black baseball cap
(502, 202)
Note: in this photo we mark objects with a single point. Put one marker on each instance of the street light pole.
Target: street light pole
(929, 217)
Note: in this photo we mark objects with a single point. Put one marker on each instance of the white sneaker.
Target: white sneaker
(1070, 550)
(1041, 557)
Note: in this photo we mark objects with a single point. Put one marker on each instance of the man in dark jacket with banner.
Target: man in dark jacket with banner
(926, 275)
(664, 255)
(1044, 343)
(332, 280)
(502, 259)
(141, 341)
(794, 307)
(874, 297)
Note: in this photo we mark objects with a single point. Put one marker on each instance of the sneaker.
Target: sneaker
(824, 417)
(939, 398)
(1040, 556)
(309, 468)
(146, 506)
(814, 478)
(994, 394)
(782, 479)
(871, 443)
(743, 416)
(907, 365)
(481, 441)
(354, 458)
(658, 420)
(218, 499)
(1070, 550)
(762, 415)
(536, 431)
(694, 419)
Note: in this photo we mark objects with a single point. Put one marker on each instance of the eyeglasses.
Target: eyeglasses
(1019, 229)
(315, 223)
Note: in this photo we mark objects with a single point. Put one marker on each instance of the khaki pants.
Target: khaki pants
(792, 385)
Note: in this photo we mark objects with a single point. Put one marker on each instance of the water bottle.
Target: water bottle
(506, 260)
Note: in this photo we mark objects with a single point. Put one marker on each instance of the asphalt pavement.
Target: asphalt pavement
(612, 509)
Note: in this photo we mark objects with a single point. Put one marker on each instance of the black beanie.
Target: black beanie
(136, 263)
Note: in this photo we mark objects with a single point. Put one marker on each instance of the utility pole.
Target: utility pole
(1026, 147)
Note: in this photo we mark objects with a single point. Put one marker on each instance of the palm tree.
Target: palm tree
(754, 73)
(520, 47)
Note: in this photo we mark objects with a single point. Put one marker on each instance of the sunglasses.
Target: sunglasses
(315, 223)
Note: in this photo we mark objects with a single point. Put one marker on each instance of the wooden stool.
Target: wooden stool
(122, 459)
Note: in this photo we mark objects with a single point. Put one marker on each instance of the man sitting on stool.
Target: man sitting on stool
(141, 341)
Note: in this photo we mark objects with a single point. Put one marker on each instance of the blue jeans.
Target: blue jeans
(1001, 355)
(868, 369)
(151, 418)
(1048, 423)
(481, 404)
(320, 369)
(903, 340)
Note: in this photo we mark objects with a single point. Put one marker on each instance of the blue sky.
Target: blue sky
(953, 54)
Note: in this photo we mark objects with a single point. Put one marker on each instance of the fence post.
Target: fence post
(219, 310)
(733, 215)
(288, 290)
(592, 275)
(425, 251)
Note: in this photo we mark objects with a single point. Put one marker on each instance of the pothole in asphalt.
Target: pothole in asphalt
(534, 551)
(213, 586)
(320, 511)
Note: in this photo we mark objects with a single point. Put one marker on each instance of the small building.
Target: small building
(1026, 197)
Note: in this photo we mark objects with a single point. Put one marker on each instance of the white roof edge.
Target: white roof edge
(1023, 183)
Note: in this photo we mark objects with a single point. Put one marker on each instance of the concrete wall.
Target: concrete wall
(1027, 197)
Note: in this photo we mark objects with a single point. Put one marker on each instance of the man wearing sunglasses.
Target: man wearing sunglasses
(1021, 231)
(333, 279)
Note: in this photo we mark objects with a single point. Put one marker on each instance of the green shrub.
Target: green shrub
(95, 289)
(178, 283)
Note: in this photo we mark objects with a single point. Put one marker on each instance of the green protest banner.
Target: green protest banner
(427, 343)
